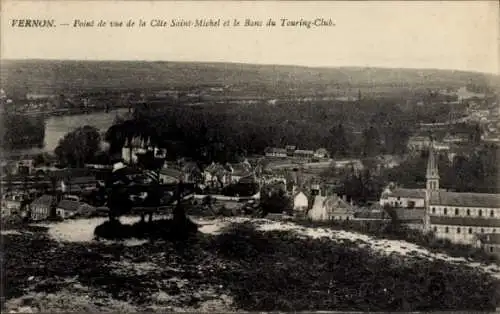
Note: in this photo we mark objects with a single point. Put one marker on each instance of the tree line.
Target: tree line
(20, 131)
(226, 134)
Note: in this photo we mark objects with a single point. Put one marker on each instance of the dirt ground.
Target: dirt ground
(264, 266)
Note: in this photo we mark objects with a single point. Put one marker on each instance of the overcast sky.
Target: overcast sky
(447, 35)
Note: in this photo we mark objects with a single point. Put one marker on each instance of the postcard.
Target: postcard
(250, 156)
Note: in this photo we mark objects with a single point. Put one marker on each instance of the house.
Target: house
(40, 208)
(11, 204)
(330, 208)
(78, 184)
(68, 208)
(403, 198)
(456, 139)
(290, 150)
(303, 154)
(355, 164)
(216, 175)
(250, 179)
(25, 167)
(275, 152)
(388, 161)
(442, 147)
(418, 143)
(170, 175)
(239, 171)
(339, 208)
(459, 150)
(130, 155)
(321, 153)
(300, 201)
(273, 179)
(192, 173)
(490, 243)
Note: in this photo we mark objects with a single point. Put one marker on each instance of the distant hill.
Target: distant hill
(52, 76)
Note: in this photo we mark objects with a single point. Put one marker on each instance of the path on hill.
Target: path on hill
(81, 230)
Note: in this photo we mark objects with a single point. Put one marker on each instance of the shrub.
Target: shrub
(278, 271)
(385, 229)
(157, 229)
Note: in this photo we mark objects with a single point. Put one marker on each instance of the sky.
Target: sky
(457, 35)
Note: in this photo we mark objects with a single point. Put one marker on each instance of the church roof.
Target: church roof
(465, 199)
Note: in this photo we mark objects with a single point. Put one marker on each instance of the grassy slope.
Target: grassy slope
(274, 270)
(52, 76)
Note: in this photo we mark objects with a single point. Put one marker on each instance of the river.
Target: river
(57, 126)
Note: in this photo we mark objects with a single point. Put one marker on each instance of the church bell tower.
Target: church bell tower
(432, 185)
(432, 174)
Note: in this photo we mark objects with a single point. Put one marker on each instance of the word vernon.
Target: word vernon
(32, 23)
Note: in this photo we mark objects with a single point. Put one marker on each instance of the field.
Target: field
(53, 76)
(235, 264)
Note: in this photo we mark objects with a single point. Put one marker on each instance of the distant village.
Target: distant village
(470, 218)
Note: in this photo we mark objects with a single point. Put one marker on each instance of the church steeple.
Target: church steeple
(432, 174)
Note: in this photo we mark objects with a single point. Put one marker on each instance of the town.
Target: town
(417, 167)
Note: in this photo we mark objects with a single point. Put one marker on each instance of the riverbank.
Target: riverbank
(68, 111)
(58, 126)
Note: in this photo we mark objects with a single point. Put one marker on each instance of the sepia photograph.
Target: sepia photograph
(249, 156)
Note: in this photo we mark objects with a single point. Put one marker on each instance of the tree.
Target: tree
(23, 131)
(371, 142)
(391, 212)
(150, 162)
(338, 145)
(78, 147)
(274, 200)
(42, 159)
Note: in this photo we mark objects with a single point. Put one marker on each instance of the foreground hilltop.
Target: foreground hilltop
(235, 264)
(46, 76)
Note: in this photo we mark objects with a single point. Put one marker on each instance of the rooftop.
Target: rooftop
(407, 193)
(465, 199)
(45, 200)
(69, 205)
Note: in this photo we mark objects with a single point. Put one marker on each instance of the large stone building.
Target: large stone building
(460, 217)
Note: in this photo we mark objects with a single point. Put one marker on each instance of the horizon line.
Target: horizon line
(497, 74)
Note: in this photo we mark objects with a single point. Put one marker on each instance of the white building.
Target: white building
(276, 152)
(418, 143)
(459, 217)
(403, 198)
(300, 202)
(321, 153)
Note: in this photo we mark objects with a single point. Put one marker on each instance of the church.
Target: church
(467, 218)
(461, 217)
